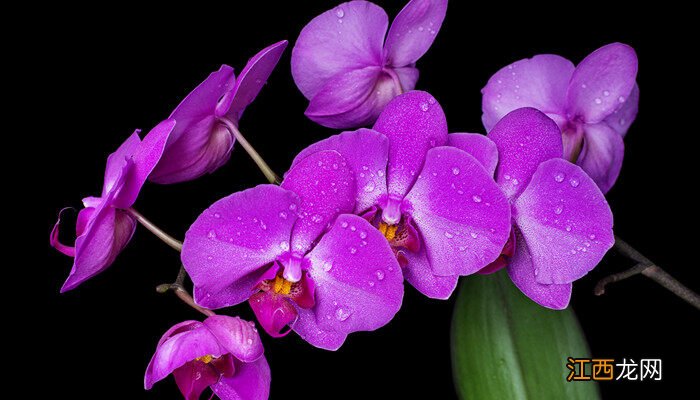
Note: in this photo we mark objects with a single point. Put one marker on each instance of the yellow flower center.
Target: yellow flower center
(389, 231)
(281, 285)
(205, 359)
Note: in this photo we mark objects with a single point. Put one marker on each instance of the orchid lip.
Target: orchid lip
(392, 209)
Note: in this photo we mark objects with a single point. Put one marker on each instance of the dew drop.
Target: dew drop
(621, 99)
(344, 224)
(327, 266)
(591, 236)
(424, 106)
(515, 182)
(573, 251)
(353, 228)
(342, 314)
(476, 198)
(211, 234)
(558, 210)
(449, 235)
(455, 171)
(606, 93)
(217, 215)
(559, 177)
(598, 100)
(380, 173)
(353, 250)
(421, 29)
(506, 177)
(292, 207)
(379, 274)
(574, 182)
(369, 187)
(363, 235)
(370, 283)
(568, 228)
(339, 13)
(317, 218)
(474, 235)
(249, 341)
(283, 215)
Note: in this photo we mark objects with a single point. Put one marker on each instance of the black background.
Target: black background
(95, 75)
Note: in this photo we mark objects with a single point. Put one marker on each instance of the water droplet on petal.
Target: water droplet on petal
(370, 283)
(317, 218)
(283, 215)
(424, 106)
(292, 206)
(455, 171)
(342, 314)
(474, 235)
(380, 274)
(574, 182)
(592, 236)
(380, 173)
(559, 177)
(559, 209)
(327, 266)
(449, 235)
(339, 12)
(598, 100)
(506, 177)
(621, 99)
(217, 215)
(363, 235)
(421, 29)
(573, 251)
(515, 182)
(353, 228)
(353, 250)
(211, 234)
(344, 224)
(606, 93)
(369, 187)
(568, 228)
(476, 198)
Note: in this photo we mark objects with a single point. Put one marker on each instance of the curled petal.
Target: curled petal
(359, 286)
(522, 272)
(602, 154)
(193, 378)
(602, 82)
(414, 123)
(366, 152)
(180, 345)
(413, 31)
(53, 239)
(238, 337)
(274, 312)
(325, 185)
(419, 274)
(346, 38)
(253, 77)
(116, 171)
(479, 146)
(621, 119)
(539, 82)
(565, 222)
(352, 98)
(460, 212)
(524, 139)
(229, 243)
(198, 144)
(250, 382)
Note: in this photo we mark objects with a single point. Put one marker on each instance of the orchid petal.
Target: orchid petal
(359, 285)
(325, 185)
(274, 312)
(366, 153)
(420, 275)
(238, 337)
(250, 382)
(479, 146)
(602, 82)
(539, 82)
(346, 38)
(414, 123)
(413, 31)
(229, 243)
(621, 119)
(253, 77)
(524, 138)
(460, 212)
(565, 222)
(602, 154)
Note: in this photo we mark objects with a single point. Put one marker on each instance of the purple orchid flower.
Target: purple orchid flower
(104, 227)
(593, 103)
(223, 353)
(437, 206)
(207, 119)
(345, 67)
(562, 225)
(296, 256)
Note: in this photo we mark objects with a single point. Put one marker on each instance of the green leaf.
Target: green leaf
(505, 346)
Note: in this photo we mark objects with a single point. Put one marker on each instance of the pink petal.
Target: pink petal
(253, 77)
(238, 337)
(524, 138)
(479, 146)
(414, 123)
(565, 222)
(53, 238)
(342, 39)
(419, 274)
(602, 82)
(117, 162)
(408, 76)
(353, 98)
(176, 349)
(522, 272)
(250, 382)
(621, 119)
(359, 286)
(461, 213)
(539, 82)
(602, 154)
(229, 243)
(325, 185)
(366, 153)
(413, 31)
(193, 378)
(146, 156)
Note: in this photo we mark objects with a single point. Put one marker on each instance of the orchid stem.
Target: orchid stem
(271, 176)
(178, 288)
(652, 271)
(169, 240)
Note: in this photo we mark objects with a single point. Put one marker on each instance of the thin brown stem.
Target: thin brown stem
(271, 176)
(178, 288)
(169, 240)
(652, 271)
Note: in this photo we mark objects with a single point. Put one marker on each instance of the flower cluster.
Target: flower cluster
(326, 251)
